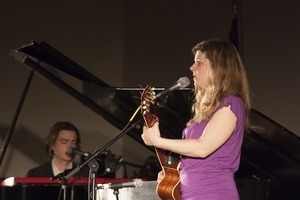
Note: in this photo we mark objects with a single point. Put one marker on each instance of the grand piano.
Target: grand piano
(270, 162)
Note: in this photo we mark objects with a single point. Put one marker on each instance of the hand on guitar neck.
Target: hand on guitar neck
(168, 187)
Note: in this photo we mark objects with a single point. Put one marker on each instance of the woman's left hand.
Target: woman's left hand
(151, 135)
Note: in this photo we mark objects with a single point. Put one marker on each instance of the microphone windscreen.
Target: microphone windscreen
(183, 82)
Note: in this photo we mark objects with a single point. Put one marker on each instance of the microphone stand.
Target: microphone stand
(98, 152)
(116, 193)
(94, 166)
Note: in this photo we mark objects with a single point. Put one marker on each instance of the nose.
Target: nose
(71, 146)
(192, 67)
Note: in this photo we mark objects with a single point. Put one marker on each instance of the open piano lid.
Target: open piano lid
(270, 151)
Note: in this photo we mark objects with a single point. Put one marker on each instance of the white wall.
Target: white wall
(91, 34)
(128, 43)
(271, 52)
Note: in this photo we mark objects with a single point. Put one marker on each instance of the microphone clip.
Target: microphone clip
(161, 102)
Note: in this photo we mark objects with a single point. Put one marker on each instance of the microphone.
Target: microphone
(180, 83)
(77, 151)
(134, 183)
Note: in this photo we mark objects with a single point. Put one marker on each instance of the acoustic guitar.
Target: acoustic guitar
(169, 187)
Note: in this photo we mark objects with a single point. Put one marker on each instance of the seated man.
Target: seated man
(62, 137)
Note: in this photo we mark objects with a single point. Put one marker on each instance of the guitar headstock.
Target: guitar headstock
(148, 100)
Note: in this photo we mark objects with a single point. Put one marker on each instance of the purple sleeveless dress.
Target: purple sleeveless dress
(212, 178)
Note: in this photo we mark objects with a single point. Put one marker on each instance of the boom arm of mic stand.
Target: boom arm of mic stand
(78, 167)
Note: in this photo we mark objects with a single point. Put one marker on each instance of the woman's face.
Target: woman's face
(202, 70)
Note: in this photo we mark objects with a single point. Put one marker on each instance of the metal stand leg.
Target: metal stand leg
(116, 193)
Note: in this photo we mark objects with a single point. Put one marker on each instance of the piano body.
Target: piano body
(270, 162)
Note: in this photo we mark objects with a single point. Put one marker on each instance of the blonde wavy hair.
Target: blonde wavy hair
(228, 78)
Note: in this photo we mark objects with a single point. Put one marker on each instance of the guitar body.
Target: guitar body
(169, 187)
